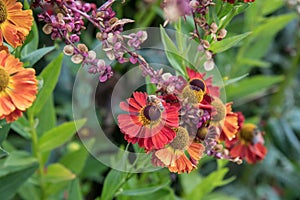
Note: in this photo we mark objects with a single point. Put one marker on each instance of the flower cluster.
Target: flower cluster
(66, 20)
(179, 126)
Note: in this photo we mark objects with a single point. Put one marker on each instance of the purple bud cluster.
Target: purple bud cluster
(68, 21)
(98, 66)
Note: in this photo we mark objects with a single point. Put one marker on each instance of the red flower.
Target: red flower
(197, 77)
(174, 155)
(148, 123)
(249, 144)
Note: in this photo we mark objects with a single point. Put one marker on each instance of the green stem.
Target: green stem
(37, 154)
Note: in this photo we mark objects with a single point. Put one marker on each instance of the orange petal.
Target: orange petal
(6, 104)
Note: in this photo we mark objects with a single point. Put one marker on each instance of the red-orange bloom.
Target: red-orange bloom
(15, 23)
(223, 117)
(174, 155)
(18, 87)
(249, 144)
(148, 123)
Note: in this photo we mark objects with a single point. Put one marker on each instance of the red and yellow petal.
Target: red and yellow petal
(6, 105)
(23, 88)
(13, 116)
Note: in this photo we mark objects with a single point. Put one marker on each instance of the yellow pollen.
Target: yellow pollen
(194, 91)
(193, 96)
(248, 132)
(202, 132)
(181, 141)
(4, 79)
(220, 110)
(3, 12)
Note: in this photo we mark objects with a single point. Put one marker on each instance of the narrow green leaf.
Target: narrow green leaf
(36, 55)
(32, 41)
(21, 126)
(209, 183)
(269, 6)
(13, 178)
(227, 43)
(29, 191)
(75, 159)
(234, 80)
(74, 192)
(50, 77)
(143, 191)
(172, 52)
(254, 62)
(3, 132)
(3, 153)
(59, 135)
(112, 183)
(250, 86)
(19, 158)
(46, 117)
(57, 173)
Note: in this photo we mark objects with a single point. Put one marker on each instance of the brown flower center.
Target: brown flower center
(3, 12)
(4, 79)
(150, 114)
(220, 109)
(181, 141)
(198, 85)
(248, 132)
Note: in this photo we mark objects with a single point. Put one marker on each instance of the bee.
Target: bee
(153, 100)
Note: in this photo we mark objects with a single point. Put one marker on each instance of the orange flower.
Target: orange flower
(223, 117)
(147, 123)
(15, 23)
(174, 156)
(18, 87)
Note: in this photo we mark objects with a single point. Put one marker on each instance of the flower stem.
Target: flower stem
(36, 153)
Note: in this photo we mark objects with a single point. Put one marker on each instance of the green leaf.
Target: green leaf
(21, 126)
(172, 52)
(257, 45)
(112, 183)
(251, 86)
(29, 191)
(75, 159)
(234, 80)
(57, 173)
(11, 178)
(227, 43)
(3, 153)
(4, 129)
(32, 41)
(50, 77)
(209, 183)
(219, 196)
(143, 191)
(19, 158)
(254, 62)
(59, 135)
(46, 117)
(269, 6)
(74, 192)
(36, 55)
